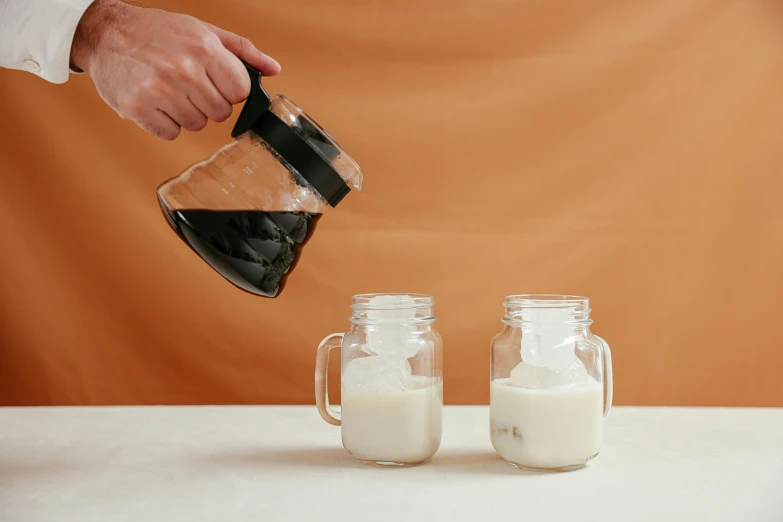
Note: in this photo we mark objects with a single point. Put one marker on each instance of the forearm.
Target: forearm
(102, 21)
(36, 35)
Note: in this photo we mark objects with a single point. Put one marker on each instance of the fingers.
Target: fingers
(140, 105)
(208, 99)
(160, 124)
(163, 114)
(184, 112)
(229, 76)
(244, 49)
(226, 70)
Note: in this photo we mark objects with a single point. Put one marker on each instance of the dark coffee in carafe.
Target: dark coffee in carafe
(254, 249)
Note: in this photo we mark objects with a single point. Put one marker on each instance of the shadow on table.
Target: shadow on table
(306, 457)
(446, 462)
(483, 462)
(16, 470)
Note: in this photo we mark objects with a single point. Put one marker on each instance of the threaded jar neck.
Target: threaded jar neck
(547, 310)
(392, 309)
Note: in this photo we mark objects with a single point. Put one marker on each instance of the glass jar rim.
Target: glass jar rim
(361, 302)
(547, 301)
(519, 306)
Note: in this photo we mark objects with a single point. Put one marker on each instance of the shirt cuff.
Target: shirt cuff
(45, 35)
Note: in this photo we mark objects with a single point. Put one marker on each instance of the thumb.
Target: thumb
(244, 49)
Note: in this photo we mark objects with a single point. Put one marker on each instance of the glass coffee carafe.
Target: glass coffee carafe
(250, 208)
(550, 383)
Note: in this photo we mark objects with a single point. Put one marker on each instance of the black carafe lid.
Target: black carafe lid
(310, 152)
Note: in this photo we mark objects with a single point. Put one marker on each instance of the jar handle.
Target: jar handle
(608, 380)
(321, 378)
(257, 102)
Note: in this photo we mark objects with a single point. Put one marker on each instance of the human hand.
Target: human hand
(164, 71)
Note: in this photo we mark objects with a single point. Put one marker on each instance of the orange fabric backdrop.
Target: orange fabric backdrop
(627, 151)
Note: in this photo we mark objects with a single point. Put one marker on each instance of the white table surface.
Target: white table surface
(269, 464)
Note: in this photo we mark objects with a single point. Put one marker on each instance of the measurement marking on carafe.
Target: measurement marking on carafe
(231, 184)
(225, 191)
(248, 170)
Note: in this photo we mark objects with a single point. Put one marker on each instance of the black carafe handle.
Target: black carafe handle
(257, 102)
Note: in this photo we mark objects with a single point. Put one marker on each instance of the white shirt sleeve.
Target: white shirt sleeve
(36, 35)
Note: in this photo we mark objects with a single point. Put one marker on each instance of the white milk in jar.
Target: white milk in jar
(547, 428)
(401, 426)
